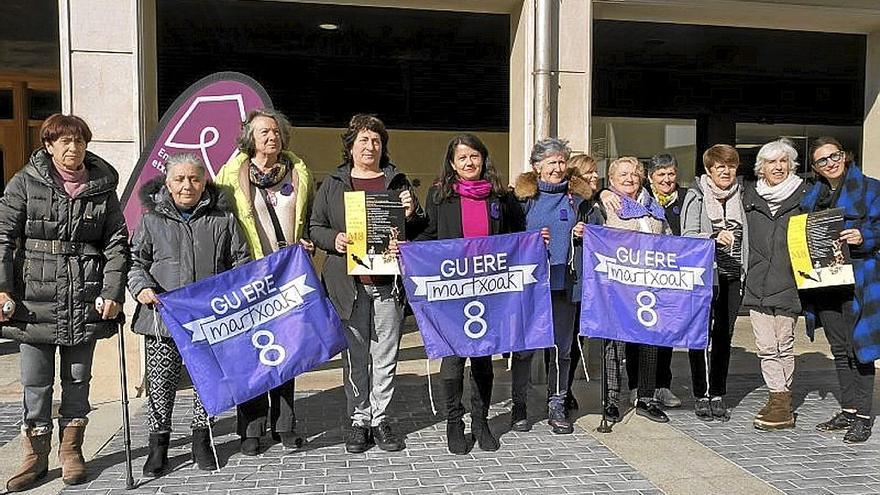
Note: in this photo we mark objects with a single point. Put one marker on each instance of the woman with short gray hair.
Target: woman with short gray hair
(551, 195)
(188, 233)
(770, 293)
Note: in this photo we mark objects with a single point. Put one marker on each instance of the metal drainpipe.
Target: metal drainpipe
(542, 73)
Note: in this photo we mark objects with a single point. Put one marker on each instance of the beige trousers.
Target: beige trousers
(774, 337)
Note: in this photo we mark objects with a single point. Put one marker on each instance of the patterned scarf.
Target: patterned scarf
(268, 179)
(644, 205)
(664, 199)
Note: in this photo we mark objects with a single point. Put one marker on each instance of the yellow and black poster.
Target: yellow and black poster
(371, 220)
(818, 257)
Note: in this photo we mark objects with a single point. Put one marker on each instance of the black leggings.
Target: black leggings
(856, 379)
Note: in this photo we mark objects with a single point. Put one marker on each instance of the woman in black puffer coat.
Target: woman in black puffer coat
(63, 263)
(770, 293)
(188, 233)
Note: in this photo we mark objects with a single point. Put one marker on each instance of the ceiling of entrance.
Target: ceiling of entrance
(840, 16)
(322, 63)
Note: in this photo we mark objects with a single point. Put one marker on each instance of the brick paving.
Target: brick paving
(795, 461)
(536, 462)
(10, 421)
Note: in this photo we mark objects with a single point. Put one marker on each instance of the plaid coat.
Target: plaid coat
(860, 200)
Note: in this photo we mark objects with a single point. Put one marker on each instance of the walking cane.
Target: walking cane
(604, 425)
(126, 423)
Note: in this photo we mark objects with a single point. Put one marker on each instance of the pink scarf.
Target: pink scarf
(474, 216)
(73, 181)
(473, 189)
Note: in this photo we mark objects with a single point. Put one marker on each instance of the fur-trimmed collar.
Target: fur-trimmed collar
(153, 193)
(526, 185)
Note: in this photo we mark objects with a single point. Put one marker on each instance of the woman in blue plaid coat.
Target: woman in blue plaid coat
(849, 315)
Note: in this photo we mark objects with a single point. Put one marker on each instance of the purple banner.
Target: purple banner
(480, 296)
(205, 120)
(248, 330)
(645, 288)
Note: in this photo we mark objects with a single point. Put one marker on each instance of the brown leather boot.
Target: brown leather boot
(36, 444)
(771, 402)
(70, 440)
(779, 416)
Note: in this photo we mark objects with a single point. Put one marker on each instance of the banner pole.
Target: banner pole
(604, 425)
(126, 422)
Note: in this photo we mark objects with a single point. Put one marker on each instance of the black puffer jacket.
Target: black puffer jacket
(168, 252)
(55, 284)
(328, 220)
(770, 286)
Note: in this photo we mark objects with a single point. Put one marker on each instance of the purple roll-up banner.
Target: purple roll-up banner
(205, 120)
(646, 288)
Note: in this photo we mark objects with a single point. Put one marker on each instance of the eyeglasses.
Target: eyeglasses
(823, 162)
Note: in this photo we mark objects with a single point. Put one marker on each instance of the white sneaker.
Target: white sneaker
(666, 398)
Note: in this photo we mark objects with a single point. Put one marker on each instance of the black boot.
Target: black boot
(202, 451)
(485, 439)
(157, 459)
(456, 441)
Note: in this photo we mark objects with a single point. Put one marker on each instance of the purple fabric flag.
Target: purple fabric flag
(205, 120)
(248, 330)
(645, 288)
(480, 296)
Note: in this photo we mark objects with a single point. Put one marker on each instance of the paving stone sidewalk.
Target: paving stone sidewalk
(10, 421)
(795, 461)
(536, 462)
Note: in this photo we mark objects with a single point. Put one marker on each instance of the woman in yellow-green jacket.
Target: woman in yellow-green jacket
(273, 191)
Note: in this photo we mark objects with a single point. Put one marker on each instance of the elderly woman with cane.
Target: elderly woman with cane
(188, 233)
(63, 264)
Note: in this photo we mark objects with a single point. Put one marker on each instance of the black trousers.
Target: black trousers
(664, 366)
(482, 376)
(647, 370)
(856, 379)
(709, 367)
(273, 411)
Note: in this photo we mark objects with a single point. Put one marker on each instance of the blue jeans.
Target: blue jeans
(38, 376)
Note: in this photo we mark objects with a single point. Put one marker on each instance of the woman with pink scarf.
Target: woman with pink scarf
(468, 200)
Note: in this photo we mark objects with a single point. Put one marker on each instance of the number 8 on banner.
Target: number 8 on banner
(646, 307)
(269, 345)
(475, 318)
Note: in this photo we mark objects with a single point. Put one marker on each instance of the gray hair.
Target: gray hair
(246, 143)
(773, 150)
(663, 160)
(549, 146)
(185, 158)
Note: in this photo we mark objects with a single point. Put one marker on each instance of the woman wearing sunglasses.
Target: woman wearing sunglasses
(849, 315)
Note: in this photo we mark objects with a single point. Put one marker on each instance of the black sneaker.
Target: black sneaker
(357, 439)
(612, 413)
(859, 432)
(649, 409)
(291, 439)
(719, 409)
(843, 420)
(386, 439)
(558, 420)
(702, 409)
(250, 446)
